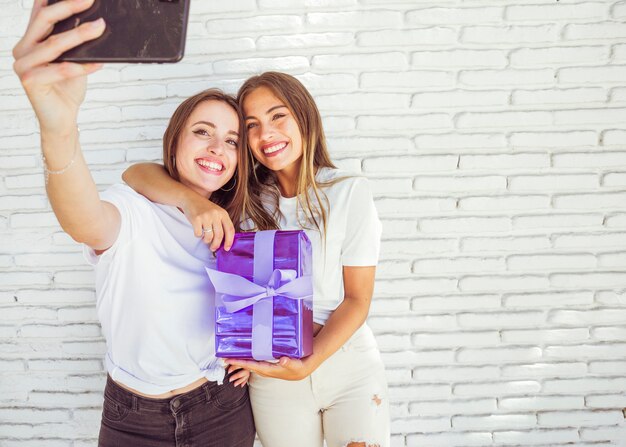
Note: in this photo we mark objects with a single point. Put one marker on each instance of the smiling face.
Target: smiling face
(206, 154)
(273, 133)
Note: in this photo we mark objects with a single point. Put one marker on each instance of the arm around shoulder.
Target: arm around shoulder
(154, 182)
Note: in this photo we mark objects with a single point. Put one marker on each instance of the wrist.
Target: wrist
(58, 135)
(182, 201)
(311, 363)
(63, 124)
(186, 197)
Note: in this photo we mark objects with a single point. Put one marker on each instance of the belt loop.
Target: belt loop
(135, 404)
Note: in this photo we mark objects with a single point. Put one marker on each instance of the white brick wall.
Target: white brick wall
(494, 133)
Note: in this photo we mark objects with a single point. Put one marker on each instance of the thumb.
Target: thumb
(285, 362)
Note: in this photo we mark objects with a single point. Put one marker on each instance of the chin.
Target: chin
(273, 166)
(204, 189)
(274, 163)
(279, 166)
(211, 189)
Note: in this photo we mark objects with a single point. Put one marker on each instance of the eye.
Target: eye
(277, 116)
(233, 143)
(201, 132)
(250, 125)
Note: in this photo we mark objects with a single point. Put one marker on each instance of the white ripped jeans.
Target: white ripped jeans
(345, 400)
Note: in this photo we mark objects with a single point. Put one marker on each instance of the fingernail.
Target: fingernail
(93, 67)
(97, 23)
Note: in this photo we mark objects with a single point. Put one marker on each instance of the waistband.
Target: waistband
(213, 372)
(174, 404)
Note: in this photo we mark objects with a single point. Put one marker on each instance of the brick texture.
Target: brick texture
(494, 135)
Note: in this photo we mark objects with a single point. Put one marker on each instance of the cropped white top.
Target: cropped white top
(154, 299)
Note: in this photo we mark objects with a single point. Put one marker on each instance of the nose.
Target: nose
(216, 146)
(266, 132)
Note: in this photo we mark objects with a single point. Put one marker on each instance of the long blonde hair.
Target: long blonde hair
(231, 195)
(262, 181)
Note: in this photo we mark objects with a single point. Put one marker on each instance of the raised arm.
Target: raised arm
(152, 181)
(55, 91)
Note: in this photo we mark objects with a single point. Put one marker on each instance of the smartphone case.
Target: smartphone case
(136, 31)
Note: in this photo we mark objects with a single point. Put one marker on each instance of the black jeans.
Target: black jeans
(211, 415)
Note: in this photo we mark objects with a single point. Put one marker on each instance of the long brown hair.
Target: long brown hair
(231, 195)
(262, 181)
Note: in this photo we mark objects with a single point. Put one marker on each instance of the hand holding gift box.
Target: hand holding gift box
(264, 294)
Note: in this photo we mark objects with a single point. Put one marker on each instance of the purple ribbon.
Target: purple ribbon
(238, 293)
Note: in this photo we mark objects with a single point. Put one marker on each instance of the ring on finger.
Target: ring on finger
(207, 230)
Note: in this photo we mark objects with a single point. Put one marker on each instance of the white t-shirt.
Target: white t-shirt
(352, 236)
(154, 299)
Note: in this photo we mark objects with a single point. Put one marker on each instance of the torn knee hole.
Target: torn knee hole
(377, 401)
(361, 444)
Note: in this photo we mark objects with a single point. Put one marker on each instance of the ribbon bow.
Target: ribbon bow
(238, 292)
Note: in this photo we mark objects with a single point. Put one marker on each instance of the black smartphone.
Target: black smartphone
(137, 31)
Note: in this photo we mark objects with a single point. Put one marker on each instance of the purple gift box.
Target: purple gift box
(264, 296)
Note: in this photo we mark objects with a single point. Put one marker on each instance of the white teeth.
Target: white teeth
(274, 148)
(211, 165)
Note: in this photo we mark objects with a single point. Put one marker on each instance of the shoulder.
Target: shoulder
(339, 182)
(329, 174)
(121, 190)
(123, 195)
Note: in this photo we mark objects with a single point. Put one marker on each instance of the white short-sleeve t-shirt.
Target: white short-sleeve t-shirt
(154, 299)
(352, 236)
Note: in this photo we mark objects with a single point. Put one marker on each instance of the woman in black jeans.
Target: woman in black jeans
(164, 387)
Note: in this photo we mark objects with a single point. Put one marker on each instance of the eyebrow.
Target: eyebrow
(212, 126)
(270, 110)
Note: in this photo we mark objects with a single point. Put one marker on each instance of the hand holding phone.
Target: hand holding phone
(55, 90)
(137, 31)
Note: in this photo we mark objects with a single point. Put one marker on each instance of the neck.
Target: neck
(288, 179)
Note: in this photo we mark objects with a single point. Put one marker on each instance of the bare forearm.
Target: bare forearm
(152, 181)
(339, 327)
(342, 324)
(72, 192)
(348, 316)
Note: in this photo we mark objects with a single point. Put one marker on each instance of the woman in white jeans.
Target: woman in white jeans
(339, 393)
